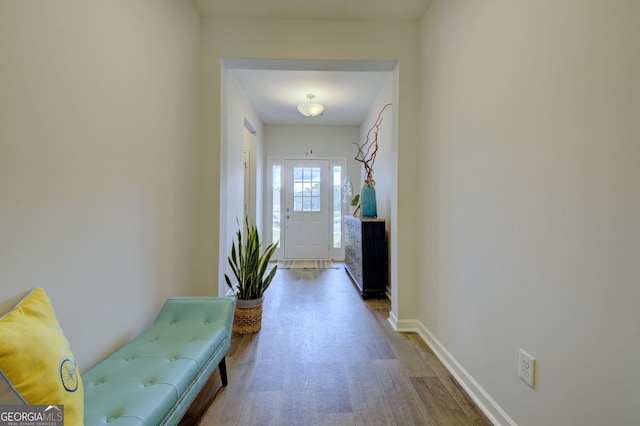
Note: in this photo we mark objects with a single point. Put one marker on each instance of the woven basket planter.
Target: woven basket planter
(248, 316)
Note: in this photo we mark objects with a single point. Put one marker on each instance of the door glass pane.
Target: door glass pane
(276, 171)
(297, 174)
(337, 210)
(306, 189)
(315, 174)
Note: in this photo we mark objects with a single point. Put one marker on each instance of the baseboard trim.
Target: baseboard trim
(484, 401)
(393, 320)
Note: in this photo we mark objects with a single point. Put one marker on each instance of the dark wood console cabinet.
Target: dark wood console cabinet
(365, 251)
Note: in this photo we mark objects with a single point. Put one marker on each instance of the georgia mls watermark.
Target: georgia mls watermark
(31, 415)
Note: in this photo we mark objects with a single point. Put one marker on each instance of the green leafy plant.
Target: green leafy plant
(249, 264)
(355, 199)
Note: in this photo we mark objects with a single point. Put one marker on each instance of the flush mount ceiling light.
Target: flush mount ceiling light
(310, 109)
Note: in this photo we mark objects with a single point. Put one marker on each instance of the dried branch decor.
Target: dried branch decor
(369, 149)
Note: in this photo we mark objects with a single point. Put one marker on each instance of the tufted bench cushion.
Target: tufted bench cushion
(153, 379)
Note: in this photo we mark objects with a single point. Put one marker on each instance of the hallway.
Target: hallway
(324, 356)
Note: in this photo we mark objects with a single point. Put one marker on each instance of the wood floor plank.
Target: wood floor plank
(463, 400)
(228, 404)
(406, 405)
(333, 402)
(417, 360)
(261, 408)
(379, 348)
(335, 419)
(440, 404)
(329, 376)
(325, 356)
(298, 409)
(369, 404)
(298, 377)
(268, 376)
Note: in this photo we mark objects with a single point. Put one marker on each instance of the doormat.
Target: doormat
(306, 264)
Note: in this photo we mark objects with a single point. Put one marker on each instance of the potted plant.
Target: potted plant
(249, 264)
(354, 204)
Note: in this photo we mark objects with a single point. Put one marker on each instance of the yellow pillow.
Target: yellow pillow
(36, 364)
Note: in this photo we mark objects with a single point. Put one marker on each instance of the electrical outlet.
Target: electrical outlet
(527, 368)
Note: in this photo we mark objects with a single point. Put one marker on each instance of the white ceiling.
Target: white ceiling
(275, 87)
(346, 95)
(346, 88)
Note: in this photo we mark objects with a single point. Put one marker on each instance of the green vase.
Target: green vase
(369, 204)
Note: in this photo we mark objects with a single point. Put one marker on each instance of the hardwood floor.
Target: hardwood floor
(324, 356)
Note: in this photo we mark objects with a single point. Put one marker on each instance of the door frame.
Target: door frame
(336, 253)
(314, 225)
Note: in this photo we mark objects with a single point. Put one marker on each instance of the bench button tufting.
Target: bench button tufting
(127, 378)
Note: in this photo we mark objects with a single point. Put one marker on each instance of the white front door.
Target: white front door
(307, 209)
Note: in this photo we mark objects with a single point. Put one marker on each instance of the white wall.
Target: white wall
(298, 141)
(385, 172)
(312, 141)
(237, 109)
(291, 39)
(384, 167)
(98, 131)
(324, 141)
(530, 202)
(254, 196)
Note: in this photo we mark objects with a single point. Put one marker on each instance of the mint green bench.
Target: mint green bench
(154, 378)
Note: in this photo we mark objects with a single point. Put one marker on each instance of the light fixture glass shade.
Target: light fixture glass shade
(310, 109)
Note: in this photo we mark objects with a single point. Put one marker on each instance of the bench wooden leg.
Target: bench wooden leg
(223, 371)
